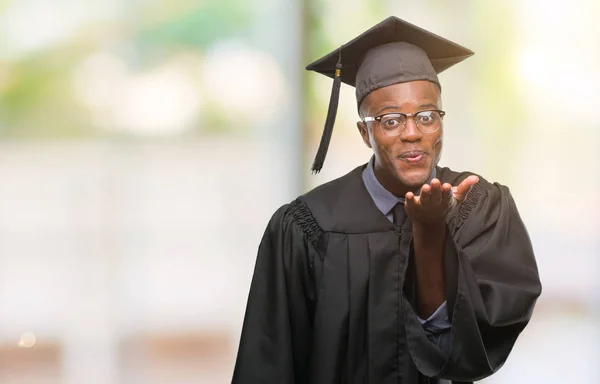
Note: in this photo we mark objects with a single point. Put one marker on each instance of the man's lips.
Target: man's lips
(407, 154)
(412, 156)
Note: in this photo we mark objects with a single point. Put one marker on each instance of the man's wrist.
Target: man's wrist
(431, 230)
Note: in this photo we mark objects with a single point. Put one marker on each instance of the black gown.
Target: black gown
(330, 300)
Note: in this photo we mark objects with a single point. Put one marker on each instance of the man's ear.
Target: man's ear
(364, 133)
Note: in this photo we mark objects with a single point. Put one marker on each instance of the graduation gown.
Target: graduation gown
(329, 303)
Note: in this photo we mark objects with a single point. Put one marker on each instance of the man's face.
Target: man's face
(402, 163)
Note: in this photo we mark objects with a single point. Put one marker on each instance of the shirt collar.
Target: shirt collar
(384, 199)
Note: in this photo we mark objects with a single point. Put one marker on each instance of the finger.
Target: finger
(425, 194)
(463, 188)
(446, 193)
(410, 200)
(436, 191)
(471, 180)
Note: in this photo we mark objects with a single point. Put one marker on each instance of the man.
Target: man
(400, 271)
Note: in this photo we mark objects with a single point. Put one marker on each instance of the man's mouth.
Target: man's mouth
(412, 157)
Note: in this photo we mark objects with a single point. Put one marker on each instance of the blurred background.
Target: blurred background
(144, 145)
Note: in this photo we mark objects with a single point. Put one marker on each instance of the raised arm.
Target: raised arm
(491, 286)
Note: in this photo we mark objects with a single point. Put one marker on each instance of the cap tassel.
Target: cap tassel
(330, 121)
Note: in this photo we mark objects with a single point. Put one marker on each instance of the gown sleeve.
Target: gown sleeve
(492, 284)
(276, 331)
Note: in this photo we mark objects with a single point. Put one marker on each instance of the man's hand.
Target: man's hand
(436, 200)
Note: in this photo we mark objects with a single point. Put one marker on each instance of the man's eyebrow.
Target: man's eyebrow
(386, 108)
(396, 107)
(428, 105)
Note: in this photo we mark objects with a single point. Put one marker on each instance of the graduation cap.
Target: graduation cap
(393, 51)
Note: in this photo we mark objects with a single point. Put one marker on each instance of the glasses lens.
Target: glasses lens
(392, 124)
(428, 121)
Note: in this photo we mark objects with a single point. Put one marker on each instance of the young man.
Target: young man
(400, 271)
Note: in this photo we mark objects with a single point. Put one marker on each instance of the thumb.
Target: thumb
(460, 192)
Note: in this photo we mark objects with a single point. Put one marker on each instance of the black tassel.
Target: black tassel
(330, 121)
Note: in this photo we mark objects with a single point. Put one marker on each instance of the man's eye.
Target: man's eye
(426, 118)
(392, 123)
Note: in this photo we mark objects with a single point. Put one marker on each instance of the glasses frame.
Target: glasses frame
(406, 117)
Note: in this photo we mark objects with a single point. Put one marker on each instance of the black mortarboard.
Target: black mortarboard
(393, 51)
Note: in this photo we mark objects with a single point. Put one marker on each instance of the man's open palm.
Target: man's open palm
(436, 200)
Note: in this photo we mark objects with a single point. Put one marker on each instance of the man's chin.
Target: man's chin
(415, 179)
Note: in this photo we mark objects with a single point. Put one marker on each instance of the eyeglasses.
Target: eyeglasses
(393, 124)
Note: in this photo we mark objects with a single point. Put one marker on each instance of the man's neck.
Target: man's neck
(393, 185)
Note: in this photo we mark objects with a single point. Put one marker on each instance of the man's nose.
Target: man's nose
(411, 131)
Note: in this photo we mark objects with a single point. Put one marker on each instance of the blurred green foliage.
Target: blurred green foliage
(36, 93)
(198, 26)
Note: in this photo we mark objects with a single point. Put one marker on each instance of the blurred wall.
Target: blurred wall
(144, 146)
